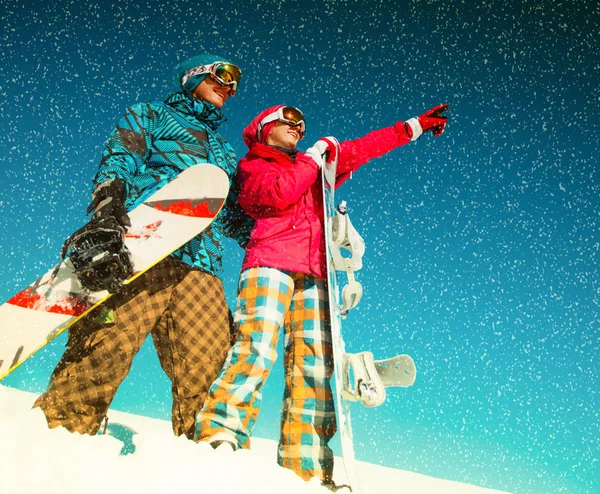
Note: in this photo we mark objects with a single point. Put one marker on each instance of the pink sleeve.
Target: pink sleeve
(357, 152)
(266, 184)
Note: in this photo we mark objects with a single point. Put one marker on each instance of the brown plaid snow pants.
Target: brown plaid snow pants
(185, 311)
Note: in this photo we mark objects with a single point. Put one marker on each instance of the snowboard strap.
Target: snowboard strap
(345, 236)
(366, 385)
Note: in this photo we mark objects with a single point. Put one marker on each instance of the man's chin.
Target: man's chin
(217, 101)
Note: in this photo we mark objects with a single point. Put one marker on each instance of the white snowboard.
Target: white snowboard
(168, 219)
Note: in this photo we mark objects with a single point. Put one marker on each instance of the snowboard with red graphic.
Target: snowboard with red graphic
(168, 219)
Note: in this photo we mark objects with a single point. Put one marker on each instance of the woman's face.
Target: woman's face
(284, 135)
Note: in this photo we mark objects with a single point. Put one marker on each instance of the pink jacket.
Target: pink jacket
(285, 197)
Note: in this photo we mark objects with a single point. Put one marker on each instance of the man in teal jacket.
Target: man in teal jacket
(180, 301)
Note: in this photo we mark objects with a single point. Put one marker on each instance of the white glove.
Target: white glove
(319, 149)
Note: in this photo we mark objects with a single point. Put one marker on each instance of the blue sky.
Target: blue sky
(482, 244)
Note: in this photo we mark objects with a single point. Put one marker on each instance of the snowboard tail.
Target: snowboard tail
(168, 219)
(365, 379)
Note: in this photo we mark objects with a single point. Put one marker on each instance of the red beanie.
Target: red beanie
(250, 137)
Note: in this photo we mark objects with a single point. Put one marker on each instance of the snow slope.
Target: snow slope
(141, 455)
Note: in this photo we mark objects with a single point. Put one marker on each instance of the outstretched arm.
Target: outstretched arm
(352, 154)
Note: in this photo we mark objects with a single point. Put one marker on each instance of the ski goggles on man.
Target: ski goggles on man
(226, 74)
(288, 115)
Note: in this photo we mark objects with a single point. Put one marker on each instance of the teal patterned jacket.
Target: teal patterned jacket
(153, 143)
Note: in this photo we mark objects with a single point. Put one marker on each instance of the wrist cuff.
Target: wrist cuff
(416, 128)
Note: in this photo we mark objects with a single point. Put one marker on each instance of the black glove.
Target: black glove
(100, 259)
(108, 203)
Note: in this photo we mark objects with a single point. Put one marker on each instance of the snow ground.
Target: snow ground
(141, 455)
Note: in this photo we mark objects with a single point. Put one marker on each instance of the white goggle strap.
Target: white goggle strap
(268, 119)
(202, 69)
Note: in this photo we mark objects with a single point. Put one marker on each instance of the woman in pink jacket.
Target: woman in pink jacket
(283, 283)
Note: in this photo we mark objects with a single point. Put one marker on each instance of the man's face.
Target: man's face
(212, 91)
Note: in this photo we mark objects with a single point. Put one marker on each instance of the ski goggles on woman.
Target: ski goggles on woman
(288, 115)
(226, 74)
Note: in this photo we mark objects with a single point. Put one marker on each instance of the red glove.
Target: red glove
(431, 120)
(434, 120)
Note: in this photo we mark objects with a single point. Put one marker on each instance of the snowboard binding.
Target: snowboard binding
(344, 236)
(99, 256)
(365, 379)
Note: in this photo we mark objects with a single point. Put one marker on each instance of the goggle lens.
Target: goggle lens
(288, 115)
(292, 115)
(228, 73)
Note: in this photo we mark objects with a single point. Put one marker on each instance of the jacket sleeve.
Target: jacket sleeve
(265, 184)
(357, 152)
(237, 224)
(128, 146)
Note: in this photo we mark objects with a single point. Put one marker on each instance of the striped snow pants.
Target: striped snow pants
(267, 300)
(185, 311)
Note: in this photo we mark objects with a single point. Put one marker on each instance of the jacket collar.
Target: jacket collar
(260, 150)
(204, 111)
